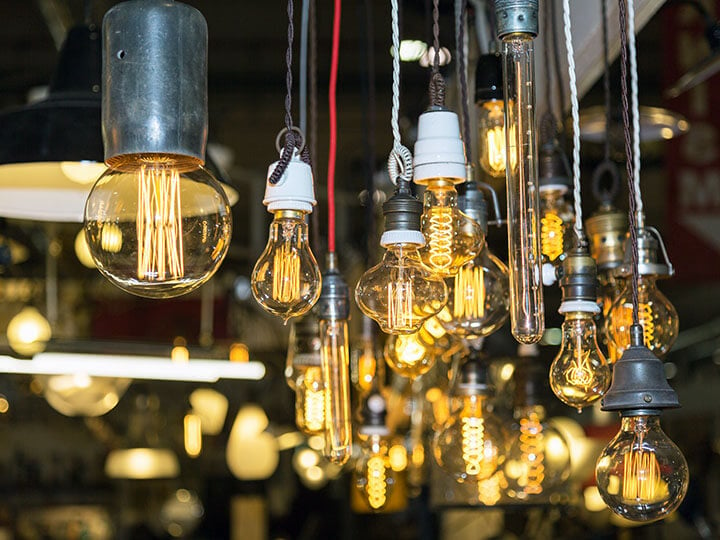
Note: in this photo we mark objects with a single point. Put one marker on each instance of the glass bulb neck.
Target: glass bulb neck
(289, 215)
(579, 316)
(530, 411)
(640, 420)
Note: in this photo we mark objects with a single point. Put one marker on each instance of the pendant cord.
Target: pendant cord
(436, 89)
(315, 216)
(332, 101)
(400, 162)
(462, 68)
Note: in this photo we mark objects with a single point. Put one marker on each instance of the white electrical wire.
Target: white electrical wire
(575, 112)
(635, 108)
(400, 160)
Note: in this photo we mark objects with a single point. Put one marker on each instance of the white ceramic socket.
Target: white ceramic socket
(584, 306)
(439, 150)
(294, 190)
(399, 236)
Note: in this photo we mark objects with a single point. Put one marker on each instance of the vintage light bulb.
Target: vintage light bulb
(374, 474)
(478, 294)
(579, 374)
(399, 293)
(657, 315)
(641, 474)
(304, 375)
(366, 371)
(28, 332)
(286, 279)
(490, 109)
(517, 26)
(555, 211)
(333, 313)
(471, 444)
(452, 238)
(172, 215)
(410, 355)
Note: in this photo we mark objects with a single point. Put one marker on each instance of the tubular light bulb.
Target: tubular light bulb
(471, 443)
(641, 474)
(157, 225)
(579, 375)
(657, 316)
(410, 355)
(555, 213)
(491, 138)
(28, 332)
(523, 207)
(478, 297)
(399, 293)
(539, 457)
(192, 434)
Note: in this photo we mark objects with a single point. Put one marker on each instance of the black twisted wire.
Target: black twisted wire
(606, 79)
(436, 89)
(628, 157)
(462, 68)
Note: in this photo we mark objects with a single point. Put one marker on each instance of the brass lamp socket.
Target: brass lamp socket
(606, 230)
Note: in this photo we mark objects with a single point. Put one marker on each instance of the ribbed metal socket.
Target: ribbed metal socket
(516, 17)
(473, 378)
(531, 382)
(489, 78)
(639, 383)
(551, 169)
(606, 230)
(334, 301)
(473, 204)
(154, 82)
(648, 260)
(579, 277)
(402, 211)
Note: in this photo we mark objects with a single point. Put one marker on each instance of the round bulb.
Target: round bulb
(641, 474)
(471, 444)
(538, 460)
(286, 279)
(579, 375)
(28, 332)
(82, 251)
(491, 137)
(478, 298)
(374, 474)
(399, 293)
(657, 316)
(82, 395)
(409, 355)
(157, 225)
(453, 238)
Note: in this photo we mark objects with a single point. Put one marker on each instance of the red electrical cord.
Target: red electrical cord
(332, 92)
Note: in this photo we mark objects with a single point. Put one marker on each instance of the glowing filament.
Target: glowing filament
(477, 463)
(440, 237)
(400, 305)
(111, 238)
(580, 372)
(646, 318)
(495, 141)
(551, 235)
(286, 275)
(376, 482)
(314, 403)
(641, 480)
(159, 225)
(489, 490)
(193, 435)
(532, 456)
(469, 293)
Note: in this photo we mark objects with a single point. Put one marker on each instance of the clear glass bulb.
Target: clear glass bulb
(157, 225)
(657, 315)
(374, 474)
(335, 360)
(286, 279)
(641, 474)
(452, 238)
(28, 332)
(399, 293)
(303, 374)
(523, 206)
(410, 355)
(478, 298)
(611, 286)
(539, 457)
(471, 444)
(491, 138)
(555, 215)
(365, 370)
(579, 375)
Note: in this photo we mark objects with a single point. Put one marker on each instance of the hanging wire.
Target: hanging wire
(436, 89)
(606, 80)
(369, 127)
(400, 159)
(315, 216)
(629, 157)
(575, 112)
(332, 102)
(556, 55)
(304, 27)
(632, 51)
(462, 68)
(293, 136)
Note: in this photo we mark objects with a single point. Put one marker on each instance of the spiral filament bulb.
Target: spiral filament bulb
(159, 225)
(531, 448)
(551, 235)
(440, 237)
(469, 301)
(490, 489)
(376, 482)
(400, 306)
(477, 463)
(286, 278)
(314, 406)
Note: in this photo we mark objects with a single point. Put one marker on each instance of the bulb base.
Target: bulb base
(374, 414)
(607, 229)
(473, 377)
(334, 301)
(472, 203)
(439, 150)
(154, 84)
(403, 213)
(578, 282)
(648, 260)
(552, 171)
(516, 17)
(639, 383)
(294, 190)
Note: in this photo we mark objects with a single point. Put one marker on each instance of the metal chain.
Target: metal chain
(628, 156)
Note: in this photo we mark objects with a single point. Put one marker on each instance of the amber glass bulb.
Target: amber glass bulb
(491, 139)
(410, 355)
(374, 474)
(555, 215)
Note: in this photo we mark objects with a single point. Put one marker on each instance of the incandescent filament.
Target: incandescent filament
(532, 455)
(376, 482)
(286, 264)
(400, 305)
(469, 301)
(641, 475)
(580, 372)
(314, 403)
(551, 235)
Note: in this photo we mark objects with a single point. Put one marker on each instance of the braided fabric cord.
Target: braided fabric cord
(400, 159)
(461, 19)
(436, 90)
